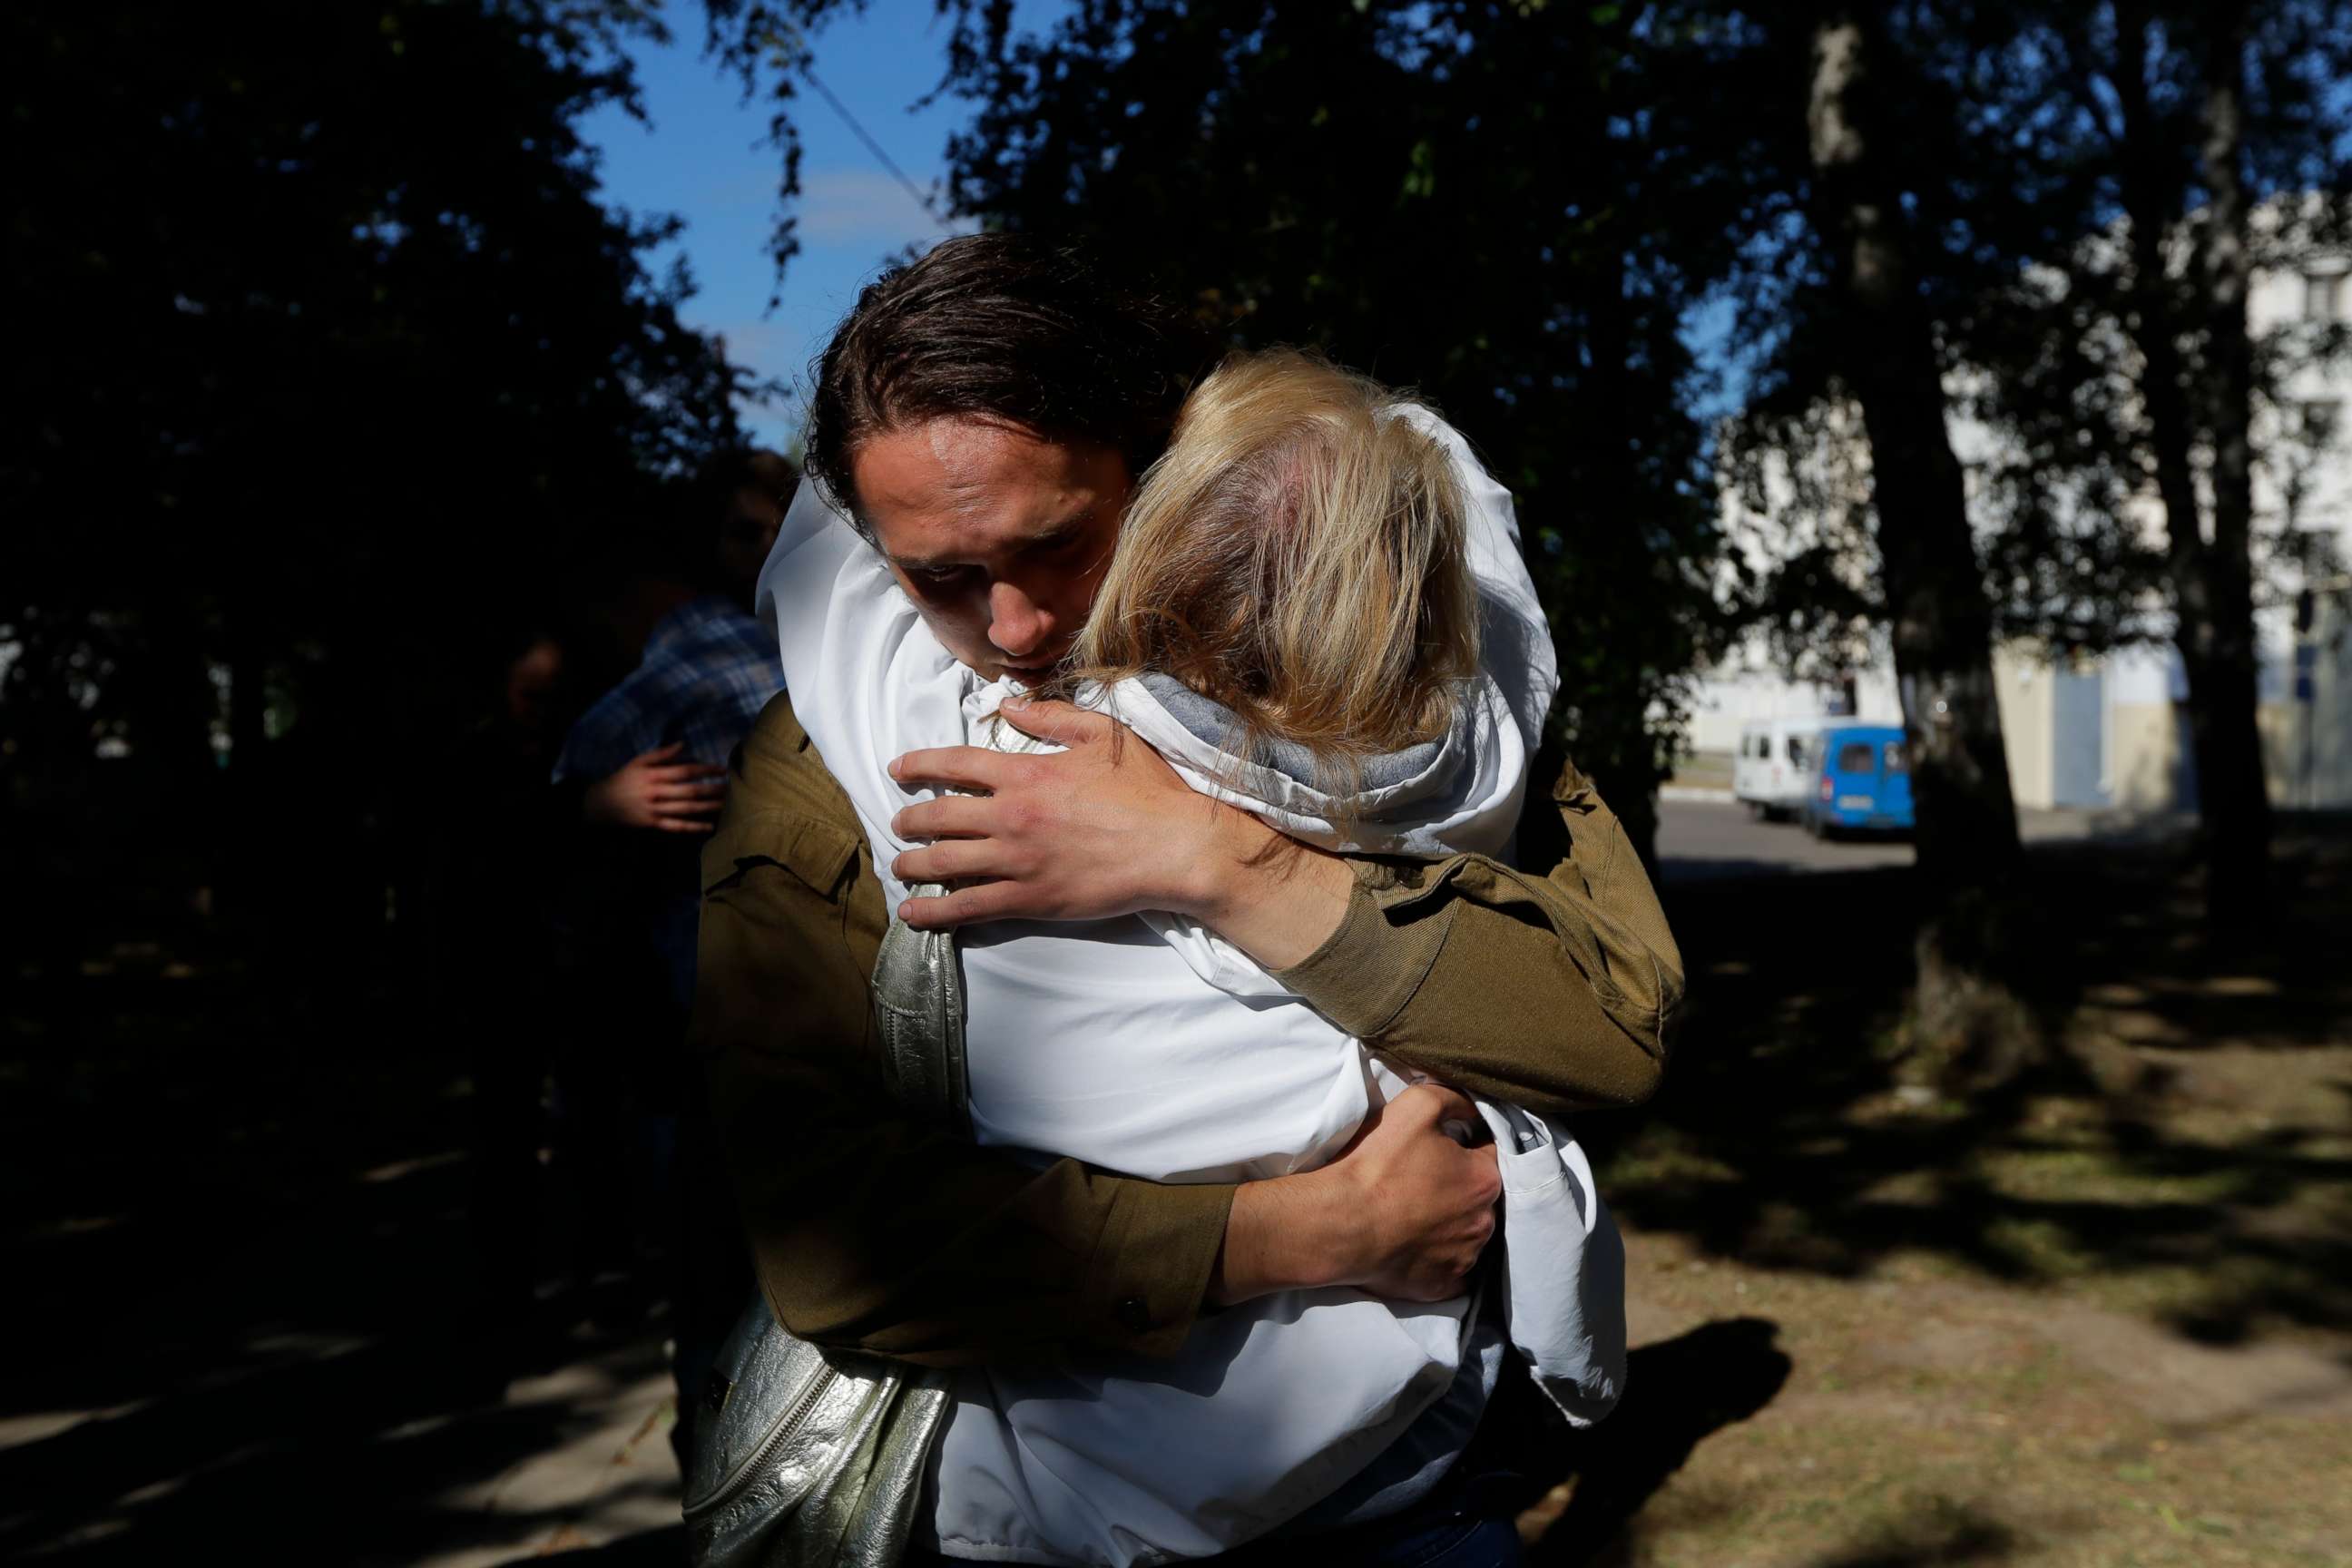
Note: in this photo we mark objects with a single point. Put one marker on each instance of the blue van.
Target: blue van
(1863, 781)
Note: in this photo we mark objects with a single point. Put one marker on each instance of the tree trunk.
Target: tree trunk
(2212, 584)
(1941, 616)
(2233, 803)
(1626, 774)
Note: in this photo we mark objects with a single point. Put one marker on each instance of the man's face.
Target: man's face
(1001, 538)
(745, 534)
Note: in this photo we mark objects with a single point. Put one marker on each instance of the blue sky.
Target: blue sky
(703, 157)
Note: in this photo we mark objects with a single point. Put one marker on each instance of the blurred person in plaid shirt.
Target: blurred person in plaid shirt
(646, 764)
(652, 751)
(650, 755)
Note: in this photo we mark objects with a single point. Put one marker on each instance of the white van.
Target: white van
(1778, 757)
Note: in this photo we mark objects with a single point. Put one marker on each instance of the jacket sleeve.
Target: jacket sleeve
(869, 1230)
(1554, 992)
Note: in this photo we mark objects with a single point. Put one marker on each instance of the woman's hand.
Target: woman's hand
(652, 791)
(1103, 828)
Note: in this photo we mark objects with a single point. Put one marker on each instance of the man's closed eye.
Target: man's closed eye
(933, 578)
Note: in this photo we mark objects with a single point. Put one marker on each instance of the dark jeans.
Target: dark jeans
(1462, 1523)
(1480, 1543)
(1448, 1543)
(1412, 1539)
(1456, 1526)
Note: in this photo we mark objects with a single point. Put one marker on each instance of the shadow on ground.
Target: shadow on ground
(239, 1257)
(2185, 1131)
(243, 1310)
(1677, 1393)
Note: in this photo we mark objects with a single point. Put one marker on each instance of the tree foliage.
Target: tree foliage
(328, 362)
(2068, 213)
(2017, 159)
(2217, 140)
(1511, 208)
(328, 349)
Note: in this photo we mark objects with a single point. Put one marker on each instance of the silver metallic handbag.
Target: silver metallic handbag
(813, 1458)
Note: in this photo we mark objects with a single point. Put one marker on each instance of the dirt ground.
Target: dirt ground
(2101, 1316)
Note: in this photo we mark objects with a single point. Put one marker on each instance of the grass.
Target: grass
(2100, 1314)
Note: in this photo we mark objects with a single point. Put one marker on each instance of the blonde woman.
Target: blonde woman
(1294, 619)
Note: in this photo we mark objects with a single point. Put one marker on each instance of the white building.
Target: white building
(2112, 730)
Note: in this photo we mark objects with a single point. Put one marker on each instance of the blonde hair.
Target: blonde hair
(1296, 555)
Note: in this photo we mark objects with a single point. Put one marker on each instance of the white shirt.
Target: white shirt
(1149, 1046)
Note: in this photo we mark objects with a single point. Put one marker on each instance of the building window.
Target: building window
(2323, 296)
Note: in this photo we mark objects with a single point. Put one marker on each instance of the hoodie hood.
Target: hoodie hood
(1457, 795)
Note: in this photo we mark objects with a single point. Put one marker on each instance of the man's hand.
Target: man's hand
(1105, 828)
(652, 791)
(1405, 1212)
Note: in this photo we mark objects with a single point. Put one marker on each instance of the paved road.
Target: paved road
(1700, 839)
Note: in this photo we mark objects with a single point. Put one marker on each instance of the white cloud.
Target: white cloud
(764, 345)
(866, 207)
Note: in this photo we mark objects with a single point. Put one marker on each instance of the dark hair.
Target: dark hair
(1006, 327)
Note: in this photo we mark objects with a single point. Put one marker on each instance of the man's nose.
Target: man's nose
(1016, 624)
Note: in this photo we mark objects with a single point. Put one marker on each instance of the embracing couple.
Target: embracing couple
(1198, 704)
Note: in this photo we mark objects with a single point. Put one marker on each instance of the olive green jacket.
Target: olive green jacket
(877, 1233)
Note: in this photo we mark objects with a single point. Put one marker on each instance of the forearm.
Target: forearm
(874, 1232)
(1481, 976)
(871, 1230)
(1281, 1234)
(1555, 993)
(1403, 1212)
(1275, 899)
(1487, 996)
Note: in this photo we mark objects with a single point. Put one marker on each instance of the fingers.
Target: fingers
(960, 906)
(949, 817)
(688, 808)
(696, 790)
(960, 767)
(1063, 723)
(1434, 1102)
(951, 860)
(682, 773)
(683, 825)
(1489, 1161)
(659, 754)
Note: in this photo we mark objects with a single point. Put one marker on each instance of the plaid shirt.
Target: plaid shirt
(709, 669)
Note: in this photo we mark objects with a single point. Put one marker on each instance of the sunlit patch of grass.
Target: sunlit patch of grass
(2092, 1174)
(1916, 1188)
(2038, 1248)
(1664, 1158)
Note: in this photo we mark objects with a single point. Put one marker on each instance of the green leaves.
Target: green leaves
(1510, 209)
(360, 312)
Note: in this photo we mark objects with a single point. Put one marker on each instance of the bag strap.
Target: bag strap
(918, 1005)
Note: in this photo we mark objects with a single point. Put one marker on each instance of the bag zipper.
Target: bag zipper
(784, 1429)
